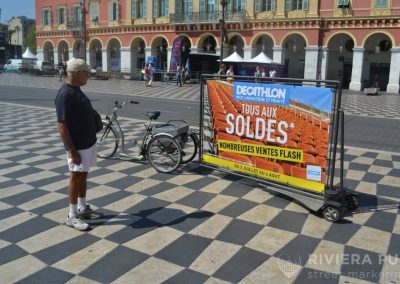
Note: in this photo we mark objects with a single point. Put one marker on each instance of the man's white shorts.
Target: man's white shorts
(89, 159)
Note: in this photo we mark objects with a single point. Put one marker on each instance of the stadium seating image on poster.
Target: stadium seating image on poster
(274, 132)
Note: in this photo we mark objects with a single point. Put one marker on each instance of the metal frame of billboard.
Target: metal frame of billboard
(336, 197)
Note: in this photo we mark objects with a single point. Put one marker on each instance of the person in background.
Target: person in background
(151, 70)
(257, 74)
(222, 70)
(273, 73)
(263, 73)
(61, 70)
(77, 129)
(230, 73)
(146, 75)
(183, 75)
(178, 76)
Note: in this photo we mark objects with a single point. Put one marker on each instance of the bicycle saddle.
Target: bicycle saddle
(153, 115)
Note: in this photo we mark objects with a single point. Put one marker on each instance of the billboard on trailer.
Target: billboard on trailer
(271, 131)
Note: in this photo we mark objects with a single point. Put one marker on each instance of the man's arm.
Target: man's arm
(66, 137)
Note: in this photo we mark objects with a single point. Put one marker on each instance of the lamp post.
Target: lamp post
(222, 25)
(84, 11)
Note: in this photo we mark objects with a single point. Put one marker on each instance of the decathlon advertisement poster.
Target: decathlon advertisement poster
(270, 131)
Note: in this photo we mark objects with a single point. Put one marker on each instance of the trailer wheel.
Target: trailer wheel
(352, 202)
(331, 213)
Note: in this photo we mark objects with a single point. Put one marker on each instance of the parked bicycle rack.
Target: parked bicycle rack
(240, 155)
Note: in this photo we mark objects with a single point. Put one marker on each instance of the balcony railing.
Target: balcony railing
(74, 25)
(207, 17)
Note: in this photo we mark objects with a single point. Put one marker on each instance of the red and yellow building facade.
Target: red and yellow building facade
(354, 41)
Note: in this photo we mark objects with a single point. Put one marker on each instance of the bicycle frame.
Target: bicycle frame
(114, 123)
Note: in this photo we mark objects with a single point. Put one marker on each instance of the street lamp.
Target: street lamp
(84, 12)
(222, 25)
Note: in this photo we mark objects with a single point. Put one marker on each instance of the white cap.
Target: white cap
(77, 64)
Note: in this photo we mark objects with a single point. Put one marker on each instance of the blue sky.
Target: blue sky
(16, 8)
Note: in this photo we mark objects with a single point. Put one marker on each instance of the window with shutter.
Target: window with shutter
(133, 9)
(288, 5)
(73, 14)
(273, 5)
(178, 6)
(65, 15)
(144, 8)
(94, 11)
(79, 13)
(114, 11)
(155, 8)
(50, 20)
(257, 6)
(166, 5)
(305, 5)
(345, 4)
(58, 20)
(381, 4)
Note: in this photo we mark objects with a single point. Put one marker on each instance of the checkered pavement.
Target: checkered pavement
(353, 103)
(196, 226)
(116, 87)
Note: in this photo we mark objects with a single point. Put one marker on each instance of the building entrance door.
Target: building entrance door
(379, 75)
(347, 68)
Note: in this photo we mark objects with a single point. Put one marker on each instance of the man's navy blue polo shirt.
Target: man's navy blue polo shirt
(74, 107)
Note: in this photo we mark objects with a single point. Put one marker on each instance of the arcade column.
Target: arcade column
(104, 60)
(311, 62)
(40, 54)
(277, 54)
(394, 75)
(247, 50)
(356, 74)
(324, 63)
(125, 59)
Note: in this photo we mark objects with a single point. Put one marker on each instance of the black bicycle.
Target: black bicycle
(165, 146)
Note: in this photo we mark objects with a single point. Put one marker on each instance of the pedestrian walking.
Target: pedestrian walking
(263, 73)
(61, 70)
(179, 76)
(151, 72)
(222, 70)
(257, 74)
(77, 128)
(146, 75)
(272, 73)
(230, 73)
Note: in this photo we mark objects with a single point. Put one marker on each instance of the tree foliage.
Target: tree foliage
(30, 39)
(8, 33)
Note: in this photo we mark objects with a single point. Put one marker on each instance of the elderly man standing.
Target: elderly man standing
(76, 125)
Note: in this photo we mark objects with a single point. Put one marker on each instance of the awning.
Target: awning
(28, 54)
(261, 58)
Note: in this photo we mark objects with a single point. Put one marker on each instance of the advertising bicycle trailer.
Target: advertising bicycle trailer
(281, 132)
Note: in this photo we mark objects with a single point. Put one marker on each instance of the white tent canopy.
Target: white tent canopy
(261, 58)
(28, 54)
(234, 57)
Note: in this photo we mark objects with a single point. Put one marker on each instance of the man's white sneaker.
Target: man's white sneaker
(77, 223)
(89, 213)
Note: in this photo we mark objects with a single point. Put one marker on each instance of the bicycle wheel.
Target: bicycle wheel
(107, 141)
(190, 149)
(164, 153)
